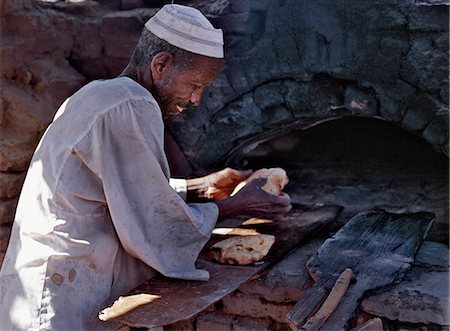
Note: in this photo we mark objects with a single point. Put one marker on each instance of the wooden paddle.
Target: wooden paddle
(377, 246)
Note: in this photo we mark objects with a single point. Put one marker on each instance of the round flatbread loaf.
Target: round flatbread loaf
(277, 179)
(242, 250)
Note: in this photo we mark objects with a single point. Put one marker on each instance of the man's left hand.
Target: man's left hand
(218, 185)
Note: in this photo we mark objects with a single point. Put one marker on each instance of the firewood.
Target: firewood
(332, 301)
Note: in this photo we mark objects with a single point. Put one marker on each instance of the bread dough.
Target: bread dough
(277, 179)
(126, 304)
(242, 250)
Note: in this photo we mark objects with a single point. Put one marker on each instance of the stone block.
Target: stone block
(218, 94)
(239, 6)
(236, 75)
(181, 326)
(432, 254)
(273, 117)
(392, 98)
(56, 84)
(386, 18)
(437, 130)
(422, 297)
(10, 184)
(310, 99)
(121, 30)
(241, 119)
(289, 276)
(251, 324)
(419, 112)
(7, 210)
(16, 152)
(269, 95)
(428, 17)
(88, 44)
(26, 111)
(216, 321)
(231, 23)
(9, 6)
(360, 102)
(425, 65)
(238, 303)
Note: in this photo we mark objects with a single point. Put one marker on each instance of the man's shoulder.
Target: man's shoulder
(116, 90)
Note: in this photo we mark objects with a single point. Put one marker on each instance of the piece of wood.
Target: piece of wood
(181, 299)
(378, 246)
(332, 301)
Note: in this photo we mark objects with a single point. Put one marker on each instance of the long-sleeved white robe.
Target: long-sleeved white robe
(96, 215)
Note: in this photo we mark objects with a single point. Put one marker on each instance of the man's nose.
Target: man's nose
(196, 97)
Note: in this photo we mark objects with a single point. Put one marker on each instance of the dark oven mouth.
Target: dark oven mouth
(359, 164)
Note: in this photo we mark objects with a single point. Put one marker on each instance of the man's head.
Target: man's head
(178, 54)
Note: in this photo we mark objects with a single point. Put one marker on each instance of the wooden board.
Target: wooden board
(182, 299)
(378, 246)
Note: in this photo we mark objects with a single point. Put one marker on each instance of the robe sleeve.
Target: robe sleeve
(179, 185)
(125, 149)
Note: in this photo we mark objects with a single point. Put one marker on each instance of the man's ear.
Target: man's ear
(161, 64)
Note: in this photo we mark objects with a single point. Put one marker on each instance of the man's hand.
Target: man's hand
(218, 185)
(252, 200)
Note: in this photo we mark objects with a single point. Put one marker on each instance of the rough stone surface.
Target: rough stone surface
(10, 184)
(423, 295)
(214, 321)
(218, 321)
(420, 112)
(5, 231)
(325, 59)
(289, 277)
(7, 209)
(241, 304)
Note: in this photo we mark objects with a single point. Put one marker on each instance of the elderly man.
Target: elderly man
(98, 213)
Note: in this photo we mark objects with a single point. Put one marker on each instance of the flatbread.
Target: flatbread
(126, 304)
(243, 250)
(277, 179)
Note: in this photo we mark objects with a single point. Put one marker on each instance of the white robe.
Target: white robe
(96, 215)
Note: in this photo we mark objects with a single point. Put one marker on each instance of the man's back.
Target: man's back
(63, 212)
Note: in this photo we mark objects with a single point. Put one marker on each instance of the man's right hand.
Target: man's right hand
(253, 201)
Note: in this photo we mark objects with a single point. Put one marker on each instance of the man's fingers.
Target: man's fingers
(241, 174)
(283, 199)
(260, 181)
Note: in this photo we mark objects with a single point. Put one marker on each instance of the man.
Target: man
(97, 216)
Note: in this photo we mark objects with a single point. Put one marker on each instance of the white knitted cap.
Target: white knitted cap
(188, 29)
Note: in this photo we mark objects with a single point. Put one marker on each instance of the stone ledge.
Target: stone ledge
(423, 295)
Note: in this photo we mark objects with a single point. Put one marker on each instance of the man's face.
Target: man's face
(181, 86)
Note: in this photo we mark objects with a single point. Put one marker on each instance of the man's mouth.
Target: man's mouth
(179, 108)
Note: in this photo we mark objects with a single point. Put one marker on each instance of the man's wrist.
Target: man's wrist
(196, 188)
(229, 208)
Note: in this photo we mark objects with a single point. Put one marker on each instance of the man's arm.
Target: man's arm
(252, 200)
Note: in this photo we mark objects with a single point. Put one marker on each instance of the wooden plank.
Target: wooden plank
(182, 299)
(378, 246)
